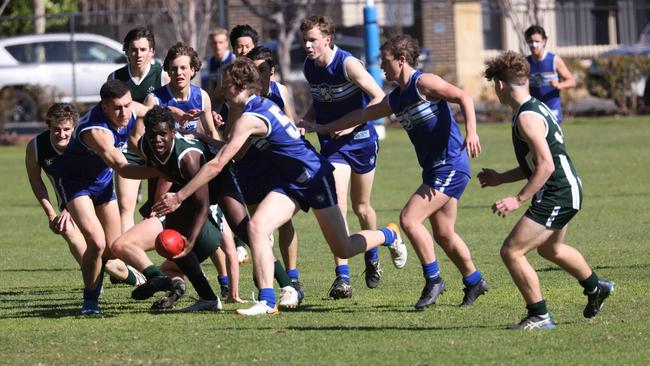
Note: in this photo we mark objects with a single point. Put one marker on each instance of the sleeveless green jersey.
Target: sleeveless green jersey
(147, 84)
(563, 188)
(46, 155)
(171, 165)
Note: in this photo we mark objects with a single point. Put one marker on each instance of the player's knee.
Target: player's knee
(362, 209)
(126, 203)
(506, 252)
(407, 222)
(444, 238)
(96, 246)
(258, 229)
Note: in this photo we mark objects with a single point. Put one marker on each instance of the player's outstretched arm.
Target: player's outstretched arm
(352, 119)
(243, 128)
(101, 142)
(434, 87)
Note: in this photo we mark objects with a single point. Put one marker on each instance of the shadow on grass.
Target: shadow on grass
(630, 266)
(40, 270)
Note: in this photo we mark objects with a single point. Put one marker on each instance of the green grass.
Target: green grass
(40, 282)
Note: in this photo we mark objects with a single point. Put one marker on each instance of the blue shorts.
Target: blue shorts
(254, 187)
(320, 193)
(450, 182)
(99, 193)
(361, 161)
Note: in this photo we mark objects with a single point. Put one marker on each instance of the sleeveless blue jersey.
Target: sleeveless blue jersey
(292, 157)
(80, 163)
(541, 74)
(431, 127)
(274, 94)
(334, 96)
(164, 97)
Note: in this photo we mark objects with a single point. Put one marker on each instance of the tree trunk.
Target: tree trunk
(39, 16)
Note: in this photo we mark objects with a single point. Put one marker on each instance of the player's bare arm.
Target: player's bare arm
(352, 119)
(36, 182)
(434, 87)
(567, 81)
(206, 116)
(243, 128)
(532, 129)
(101, 142)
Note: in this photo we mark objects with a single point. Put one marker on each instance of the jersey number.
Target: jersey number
(286, 123)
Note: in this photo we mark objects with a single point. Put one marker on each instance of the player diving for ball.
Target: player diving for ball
(178, 159)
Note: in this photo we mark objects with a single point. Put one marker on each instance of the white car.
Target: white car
(73, 65)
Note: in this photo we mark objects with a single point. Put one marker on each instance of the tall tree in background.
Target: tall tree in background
(287, 16)
(192, 20)
(522, 14)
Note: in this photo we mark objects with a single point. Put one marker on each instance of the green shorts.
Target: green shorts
(553, 217)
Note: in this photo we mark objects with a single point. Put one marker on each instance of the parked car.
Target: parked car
(75, 65)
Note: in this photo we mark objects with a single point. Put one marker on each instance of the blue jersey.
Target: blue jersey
(431, 127)
(274, 94)
(292, 157)
(541, 74)
(164, 97)
(334, 96)
(214, 70)
(81, 164)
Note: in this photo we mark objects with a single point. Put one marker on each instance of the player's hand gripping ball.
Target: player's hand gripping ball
(169, 243)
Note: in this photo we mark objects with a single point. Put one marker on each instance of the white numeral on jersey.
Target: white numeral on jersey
(286, 123)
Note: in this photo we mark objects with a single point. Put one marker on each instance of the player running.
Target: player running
(553, 187)
(421, 106)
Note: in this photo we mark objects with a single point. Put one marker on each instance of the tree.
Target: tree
(522, 14)
(287, 17)
(191, 20)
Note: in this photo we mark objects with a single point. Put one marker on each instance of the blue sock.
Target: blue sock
(343, 271)
(223, 280)
(267, 294)
(293, 274)
(389, 236)
(372, 255)
(431, 271)
(94, 293)
(472, 279)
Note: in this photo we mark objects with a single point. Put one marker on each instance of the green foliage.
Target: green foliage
(40, 290)
(25, 9)
(615, 76)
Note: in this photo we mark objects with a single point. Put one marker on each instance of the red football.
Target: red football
(169, 243)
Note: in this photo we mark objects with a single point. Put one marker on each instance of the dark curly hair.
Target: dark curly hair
(181, 49)
(510, 66)
(60, 112)
(159, 114)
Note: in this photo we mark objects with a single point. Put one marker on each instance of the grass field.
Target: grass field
(40, 284)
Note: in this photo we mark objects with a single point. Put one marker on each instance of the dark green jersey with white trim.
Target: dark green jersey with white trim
(147, 84)
(170, 165)
(46, 155)
(563, 188)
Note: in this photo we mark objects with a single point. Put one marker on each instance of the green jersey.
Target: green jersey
(563, 188)
(46, 155)
(147, 84)
(171, 164)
